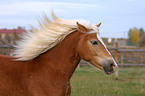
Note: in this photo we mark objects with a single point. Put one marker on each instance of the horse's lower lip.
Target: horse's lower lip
(108, 71)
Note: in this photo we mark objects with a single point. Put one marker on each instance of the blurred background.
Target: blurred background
(122, 30)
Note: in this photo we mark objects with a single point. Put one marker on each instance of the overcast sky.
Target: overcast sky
(117, 16)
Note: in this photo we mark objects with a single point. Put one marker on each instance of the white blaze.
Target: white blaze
(100, 39)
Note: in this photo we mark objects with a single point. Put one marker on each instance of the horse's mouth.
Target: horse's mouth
(109, 70)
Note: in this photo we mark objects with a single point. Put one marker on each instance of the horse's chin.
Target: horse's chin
(93, 62)
(105, 70)
(108, 71)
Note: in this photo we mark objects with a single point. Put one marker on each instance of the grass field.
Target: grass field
(91, 82)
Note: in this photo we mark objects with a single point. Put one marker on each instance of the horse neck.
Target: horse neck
(63, 57)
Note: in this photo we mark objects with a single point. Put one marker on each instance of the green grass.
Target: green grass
(91, 82)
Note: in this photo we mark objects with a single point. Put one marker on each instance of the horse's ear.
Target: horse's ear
(98, 24)
(81, 28)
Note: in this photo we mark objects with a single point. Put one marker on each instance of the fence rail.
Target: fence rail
(6, 49)
(126, 57)
(131, 64)
(130, 57)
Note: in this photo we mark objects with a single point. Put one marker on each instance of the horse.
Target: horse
(45, 59)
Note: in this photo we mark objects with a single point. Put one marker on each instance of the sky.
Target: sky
(116, 16)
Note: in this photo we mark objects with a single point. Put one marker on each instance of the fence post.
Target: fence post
(78, 66)
(116, 58)
(116, 52)
(122, 60)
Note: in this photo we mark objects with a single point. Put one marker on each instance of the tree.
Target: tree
(129, 34)
(142, 41)
(141, 32)
(134, 36)
(142, 37)
(20, 28)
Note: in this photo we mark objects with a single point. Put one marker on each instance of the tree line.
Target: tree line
(137, 36)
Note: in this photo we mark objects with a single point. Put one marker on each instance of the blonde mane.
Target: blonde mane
(38, 41)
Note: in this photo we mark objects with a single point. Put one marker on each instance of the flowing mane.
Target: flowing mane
(51, 33)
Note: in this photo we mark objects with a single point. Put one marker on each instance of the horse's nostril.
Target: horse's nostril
(111, 65)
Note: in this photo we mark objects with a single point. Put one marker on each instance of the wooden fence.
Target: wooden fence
(124, 57)
(5, 49)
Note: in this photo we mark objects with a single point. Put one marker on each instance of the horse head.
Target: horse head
(92, 49)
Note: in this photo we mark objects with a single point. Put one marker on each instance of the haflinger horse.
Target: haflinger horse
(45, 59)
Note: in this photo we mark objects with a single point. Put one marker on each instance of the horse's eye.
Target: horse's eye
(94, 42)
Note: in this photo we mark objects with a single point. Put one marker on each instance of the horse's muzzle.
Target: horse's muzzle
(109, 68)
